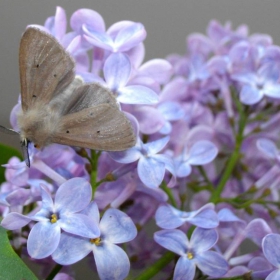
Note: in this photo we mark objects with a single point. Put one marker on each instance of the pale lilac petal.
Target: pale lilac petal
(46, 199)
(171, 110)
(43, 239)
(202, 152)
(206, 218)
(137, 95)
(168, 161)
(149, 118)
(226, 215)
(151, 172)
(157, 145)
(73, 195)
(71, 249)
(90, 18)
(79, 224)
(270, 246)
(274, 275)
(272, 90)
(111, 261)
(136, 55)
(60, 23)
(203, 239)
(250, 95)
(130, 37)
(117, 227)
(173, 240)
(92, 211)
(127, 156)
(166, 129)
(212, 264)
(82, 62)
(184, 267)
(101, 40)
(268, 147)
(183, 170)
(117, 68)
(74, 45)
(158, 69)
(257, 229)
(15, 221)
(168, 217)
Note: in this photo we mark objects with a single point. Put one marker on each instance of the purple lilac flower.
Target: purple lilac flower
(111, 261)
(120, 37)
(202, 152)
(117, 71)
(71, 197)
(151, 165)
(194, 252)
(168, 217)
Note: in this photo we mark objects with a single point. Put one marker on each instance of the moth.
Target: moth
(58, 107)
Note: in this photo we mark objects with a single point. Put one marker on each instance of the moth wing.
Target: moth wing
(89, 95)
(101, 127)
(45, 68)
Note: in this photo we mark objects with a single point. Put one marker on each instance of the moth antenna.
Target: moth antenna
(8, 130)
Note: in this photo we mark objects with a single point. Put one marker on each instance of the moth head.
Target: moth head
(37, 126)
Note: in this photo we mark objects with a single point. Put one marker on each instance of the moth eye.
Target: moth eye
(67, 131)
(36, 146)
(54, 75)
(37, 65)
(98, 131)
(34, 95)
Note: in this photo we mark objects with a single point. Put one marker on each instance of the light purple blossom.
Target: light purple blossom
(202, 152)
(71, 197)
(195, 252)
(151, 165)
(168, 217)
(111, 261)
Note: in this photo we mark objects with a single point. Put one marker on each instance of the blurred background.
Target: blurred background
(167, 22)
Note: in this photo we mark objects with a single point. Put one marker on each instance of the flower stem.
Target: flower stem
(53, 273)
(156, 267)
(234, 156)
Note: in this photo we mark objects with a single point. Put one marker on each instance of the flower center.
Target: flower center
(190, 255)
(53, 218)
(95, 241)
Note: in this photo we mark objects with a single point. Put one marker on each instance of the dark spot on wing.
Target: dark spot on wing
(34, 95)
(37, 65)
(54, 75)
(67, 131)
(98, 131)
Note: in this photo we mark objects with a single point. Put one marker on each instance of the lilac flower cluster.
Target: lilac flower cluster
(205, 168)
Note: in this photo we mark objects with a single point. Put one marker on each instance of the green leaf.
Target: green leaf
(11, 265)
(6, 153)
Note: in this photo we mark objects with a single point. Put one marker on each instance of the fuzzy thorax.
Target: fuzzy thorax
(38, 125)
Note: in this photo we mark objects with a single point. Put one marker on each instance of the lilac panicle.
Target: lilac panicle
(216, 105)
